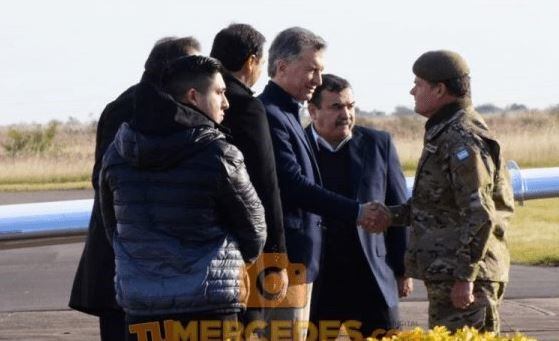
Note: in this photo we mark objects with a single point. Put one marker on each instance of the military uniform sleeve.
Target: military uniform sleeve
(400, 214)
(472, 169)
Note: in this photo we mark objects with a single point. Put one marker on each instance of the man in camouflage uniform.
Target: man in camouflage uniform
(461, 202)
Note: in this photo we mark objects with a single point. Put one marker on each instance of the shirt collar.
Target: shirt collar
(446, 112)
(321, 142)
(445, 116)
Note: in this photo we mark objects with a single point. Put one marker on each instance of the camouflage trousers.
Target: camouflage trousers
(483, 314)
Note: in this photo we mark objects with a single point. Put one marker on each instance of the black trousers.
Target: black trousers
(112, 326)
(346, 290)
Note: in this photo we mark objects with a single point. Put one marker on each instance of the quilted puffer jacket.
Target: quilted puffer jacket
(183, 219)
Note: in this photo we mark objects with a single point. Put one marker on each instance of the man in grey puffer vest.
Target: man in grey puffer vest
(178, 205)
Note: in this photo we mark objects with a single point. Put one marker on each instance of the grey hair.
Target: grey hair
(289, 43)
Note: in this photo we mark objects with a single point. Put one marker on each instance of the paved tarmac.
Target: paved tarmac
(35, 283)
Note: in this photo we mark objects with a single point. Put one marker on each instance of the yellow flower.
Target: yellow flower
(440, 333)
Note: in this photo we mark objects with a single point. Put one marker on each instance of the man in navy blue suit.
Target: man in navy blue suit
(361, 274)
(295, 66)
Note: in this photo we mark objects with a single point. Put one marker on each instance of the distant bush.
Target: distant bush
(30, 141)
(488, 108)
(371, 113)
(554, 110)
(402, 110)
(516, 107)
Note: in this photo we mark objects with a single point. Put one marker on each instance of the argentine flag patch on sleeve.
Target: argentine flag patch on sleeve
(462, 154)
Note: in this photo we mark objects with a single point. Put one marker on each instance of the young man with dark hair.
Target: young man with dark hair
(361, 274)
(240, 49)
(93, 289)
(178, 206)
(238, 45)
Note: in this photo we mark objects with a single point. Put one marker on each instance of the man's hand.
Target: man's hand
(374, 217)
(275, 283)
(462, 294)
(283, 282)
(405, 286)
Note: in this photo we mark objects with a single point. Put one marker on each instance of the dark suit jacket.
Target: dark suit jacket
(93, 289)
(376, 175)
(249, 131)
(303, 198)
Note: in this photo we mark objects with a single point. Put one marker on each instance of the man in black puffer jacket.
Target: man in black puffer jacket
(93, 288)
(178, 205)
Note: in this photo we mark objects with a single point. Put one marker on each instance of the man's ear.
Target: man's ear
(191, 96)
(281, 66)
(313, 110)
(249, 65)
(251, 62)
(442, 90)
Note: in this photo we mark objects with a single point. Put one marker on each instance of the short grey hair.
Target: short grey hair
(288, 45)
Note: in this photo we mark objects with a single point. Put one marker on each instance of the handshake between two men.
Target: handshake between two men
(374, 217)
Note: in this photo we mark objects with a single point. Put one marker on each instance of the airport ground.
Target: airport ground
(35, 283)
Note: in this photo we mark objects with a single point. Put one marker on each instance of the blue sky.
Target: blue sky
(65, 58)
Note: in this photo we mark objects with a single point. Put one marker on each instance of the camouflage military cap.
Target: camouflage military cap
(436, 66)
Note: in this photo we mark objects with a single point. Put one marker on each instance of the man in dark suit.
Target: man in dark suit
(360, 272)
(93, 289)
(240, 49)
(295, 67)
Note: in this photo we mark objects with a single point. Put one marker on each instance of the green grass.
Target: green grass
(534, 233)
(48, 186)
(46, 179)
(409, 167)
(45, 182)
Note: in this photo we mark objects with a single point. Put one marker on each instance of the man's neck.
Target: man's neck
(443, 102)
(446, 111)
(283, 87)
(242, 77)
(332, 146)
